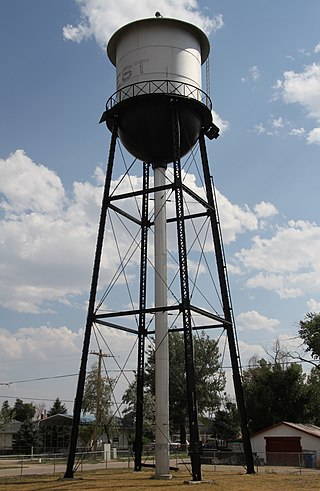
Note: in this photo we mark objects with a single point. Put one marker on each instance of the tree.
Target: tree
(5, 415)
(55, 436)
(310, 334)
(97, 400)
(312, 414)
(57, 408)
(210, 381)
(23, 411)
(226, 424)
(26, 437)
(274, 392)
(129, 413)
(40, 408)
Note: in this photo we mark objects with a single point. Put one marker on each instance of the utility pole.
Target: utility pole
(98, 393)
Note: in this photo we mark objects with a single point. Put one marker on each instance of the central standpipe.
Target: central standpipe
(162, 470)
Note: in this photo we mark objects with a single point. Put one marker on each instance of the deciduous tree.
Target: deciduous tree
(309, 332)
(5, 415)
(209, 379)
(274, 392)
(97, 399)
(312, 413)
(226, 424)
(129, 413)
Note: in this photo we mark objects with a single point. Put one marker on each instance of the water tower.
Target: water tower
(160, 113)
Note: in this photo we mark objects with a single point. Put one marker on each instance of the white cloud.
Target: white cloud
(234, 219)
(274, 126)
(278, 122)
(287, 263)
(317, 48)
(46, 239)
(265, 210)
(222, 124)
(30, 353)
(304, 52)
(47, 343)
(274, 282)
(254, 73)
(260, 129)
(47, 249)
(297, 132)
(38, 342)
(233, 269)
(314, 136)
(27, 190)
(313, 305)
(302, 88)
(249, 350)
(254, 321)
(100, 18)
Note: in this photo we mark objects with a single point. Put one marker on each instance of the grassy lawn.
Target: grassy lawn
(115, 479)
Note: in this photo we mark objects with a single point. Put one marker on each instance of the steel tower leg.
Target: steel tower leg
(142, 318)
(195, 444)
(221, 267)
(90, 315)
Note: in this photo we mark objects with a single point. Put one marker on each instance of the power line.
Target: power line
(42, 399)
(34, 398)
(54, 377)
(38, 379)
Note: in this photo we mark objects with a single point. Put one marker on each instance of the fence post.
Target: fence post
(21, 465)
(300, 462)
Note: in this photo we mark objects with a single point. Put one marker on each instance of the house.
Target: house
(288, 444)
(56, 431)
(7, 433)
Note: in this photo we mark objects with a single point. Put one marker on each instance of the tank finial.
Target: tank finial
(157, 14)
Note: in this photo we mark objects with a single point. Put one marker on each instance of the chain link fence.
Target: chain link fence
(55, 463)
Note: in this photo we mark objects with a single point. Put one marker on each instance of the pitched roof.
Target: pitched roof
(12, 427)
(309, 429)
(65, 420)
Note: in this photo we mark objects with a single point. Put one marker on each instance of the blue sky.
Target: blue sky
(55, 79)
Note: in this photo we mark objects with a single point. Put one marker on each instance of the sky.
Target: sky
(55, 79)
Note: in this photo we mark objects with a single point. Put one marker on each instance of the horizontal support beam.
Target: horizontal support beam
(123, 313)
(116, 326)
(140, 192)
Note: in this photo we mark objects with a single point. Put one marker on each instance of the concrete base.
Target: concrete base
(199, 482)
(163, 477)
(70, 479)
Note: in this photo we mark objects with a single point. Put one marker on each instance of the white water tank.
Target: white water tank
(158, 49)
(158, 61)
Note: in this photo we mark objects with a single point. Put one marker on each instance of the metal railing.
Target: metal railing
(167, 87)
